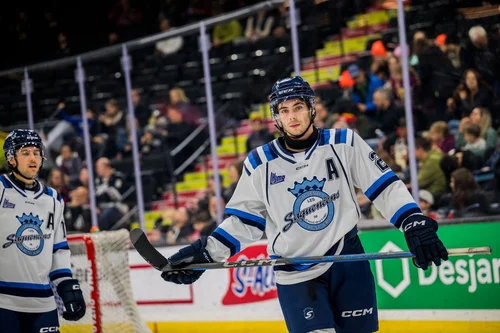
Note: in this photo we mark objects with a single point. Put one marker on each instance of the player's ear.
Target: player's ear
(12, 162)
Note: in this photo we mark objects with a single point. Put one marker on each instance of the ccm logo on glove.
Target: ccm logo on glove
(414, 224)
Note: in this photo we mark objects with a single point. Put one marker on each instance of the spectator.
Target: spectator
(125, 20)
(483, 54)
(469, 95)
(83, 178)
(179, 100)
(323, 118)
(150, 142)
(141, 110)
(365, 87)
(482, 118)
(177, 128)
(259, 26)
(395, 83)
(426, 200)
(441, 137)
(124, 137)
(109, 191)
(475, 144)
(430, 175)
(63, 49)
(379, 66)
(396, 144)
(170, 45)
(467, 200)
(388, 114)
(77, 213)
(181, 229)
(70, 164)
(259, 136)
(226, 32)
(235, 169)
(58, 181)
(112, 119)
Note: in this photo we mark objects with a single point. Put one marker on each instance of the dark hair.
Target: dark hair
(423, 143)
(465, 187)
(472, 129)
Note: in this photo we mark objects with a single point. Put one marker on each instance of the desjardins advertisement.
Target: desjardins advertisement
(464, 282)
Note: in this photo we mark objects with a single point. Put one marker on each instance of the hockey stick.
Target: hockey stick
(158, 261)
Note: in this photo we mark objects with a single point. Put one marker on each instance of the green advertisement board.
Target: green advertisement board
(463, 282)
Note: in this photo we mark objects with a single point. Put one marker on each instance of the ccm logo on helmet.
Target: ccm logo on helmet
(286, 91)
(49, 329)
(357, 313)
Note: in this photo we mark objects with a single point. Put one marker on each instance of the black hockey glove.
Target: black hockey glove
(423, 241)
(191, 254)
(71, 294)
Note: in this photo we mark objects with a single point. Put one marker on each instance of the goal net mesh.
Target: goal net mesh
(100, 262)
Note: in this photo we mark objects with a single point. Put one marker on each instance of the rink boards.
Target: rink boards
(463, 295)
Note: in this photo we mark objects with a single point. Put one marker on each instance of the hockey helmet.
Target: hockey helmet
(20, 138)
(290, 88)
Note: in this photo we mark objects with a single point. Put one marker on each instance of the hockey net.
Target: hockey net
(100, 262)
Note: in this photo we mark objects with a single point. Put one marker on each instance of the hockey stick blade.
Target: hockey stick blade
(322, 259)
(147, 250)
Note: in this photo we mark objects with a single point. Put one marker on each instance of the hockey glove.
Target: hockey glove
(191, 254)
(71, 295)
(423, 241)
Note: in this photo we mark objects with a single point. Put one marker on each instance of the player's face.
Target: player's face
(29, 160)
(295, 116)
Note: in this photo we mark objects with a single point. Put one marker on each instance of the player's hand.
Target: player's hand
(71, 295)
(423, 241)
(191, 254)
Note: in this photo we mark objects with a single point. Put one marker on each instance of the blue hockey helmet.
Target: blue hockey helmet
(20, 138)
(290, 88)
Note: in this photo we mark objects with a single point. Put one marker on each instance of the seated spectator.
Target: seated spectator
(110, 186)
(379, 66)
(430, 175)
(226, 32)
(388, 113)
(179, 100)
(259, 26)
(426, 200)
(396, 144)
(181, 229)
(481, 117)
(77, 213)
(83, 178)
(259, 136)
(70, 164)
(124, 140)
(58, 181)
(365, 87)
(141, 110)
(482, 53)
(235, 169)
(441, 137)
(466, 198)
(170, 45)
(395, 82)
(150, 142)
(323, 119)
(470, 94)
(475, 143)
(177, 128)
(110, 121)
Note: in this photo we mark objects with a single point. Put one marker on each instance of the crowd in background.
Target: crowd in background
(454, 84)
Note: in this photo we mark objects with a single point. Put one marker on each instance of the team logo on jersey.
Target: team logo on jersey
(313, 209)
(29, 238)
(8, 204)
(276, 179)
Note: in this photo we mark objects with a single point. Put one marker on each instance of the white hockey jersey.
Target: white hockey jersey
(34, 250)
(306, 202)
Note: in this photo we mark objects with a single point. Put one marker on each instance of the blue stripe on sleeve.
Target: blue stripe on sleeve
(403, 212)
(270, 155)
(246, 169)
(248, 218)
(256, 158)
(4, 182)
(380, 185)
(337, 136)
(343, 135)
(25, 289)
(229, 241)
(60, 246)
(325, 137)
(59, 273)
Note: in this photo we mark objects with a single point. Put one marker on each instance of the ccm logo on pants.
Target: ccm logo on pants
(357, 313)
(49, 329)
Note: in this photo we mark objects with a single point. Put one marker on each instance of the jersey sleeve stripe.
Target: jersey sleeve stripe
(380, 185)
(246, 169)
(4, 182)
(60, 246)
(325, 137)
(59, 273)
(340, 135)
(352, 138)
(245, 215)
(270, 155)
(254, 159)
(229, 241)
(403, 212)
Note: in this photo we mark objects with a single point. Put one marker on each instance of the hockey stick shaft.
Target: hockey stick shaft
(158, 261)
(324, 259)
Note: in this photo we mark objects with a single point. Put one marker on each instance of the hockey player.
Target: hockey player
(34, 249)
(299, 190)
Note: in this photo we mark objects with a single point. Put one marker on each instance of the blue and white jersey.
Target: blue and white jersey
(33, 250)
(306, 202)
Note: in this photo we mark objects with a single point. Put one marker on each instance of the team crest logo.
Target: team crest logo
(313, 209)
(29, 238)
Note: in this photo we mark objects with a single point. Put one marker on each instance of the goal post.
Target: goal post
(100, 262)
